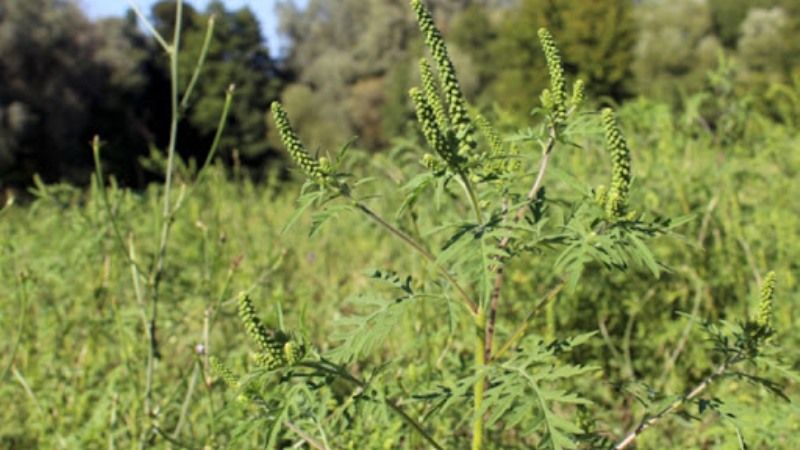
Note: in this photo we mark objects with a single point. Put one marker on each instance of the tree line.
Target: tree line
(347, 70)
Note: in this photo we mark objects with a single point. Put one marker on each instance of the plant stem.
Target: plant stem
(419, 248)
(200, 63)
(647, 423)
(98, 170)
(304, 436)
(334, 369)
(166, 217)
(499, 272)
(480, 381)
(473, 197)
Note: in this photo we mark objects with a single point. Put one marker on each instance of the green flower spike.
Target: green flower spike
(270, 343)
(457, 106)
(293, 352)
(501, 160)
(432, 93)
(294, 147)
(578, 94)
(232, 381)
(430, 129)
(491, 135)
(558, 83)
(765, 301)
(617, 195)
(224, 373)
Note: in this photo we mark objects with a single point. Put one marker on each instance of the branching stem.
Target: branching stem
(494, 301)
(338, 371)
(419, 248)
(672, 407)
(480, 381)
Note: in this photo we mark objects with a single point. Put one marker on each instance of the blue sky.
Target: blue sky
(264, 9)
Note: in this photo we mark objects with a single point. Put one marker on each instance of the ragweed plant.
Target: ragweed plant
(513, 381)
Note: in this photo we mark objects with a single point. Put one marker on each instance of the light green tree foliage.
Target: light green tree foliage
(676, 47)
(341, 53)
(596, 38)
(352, 56)
(765, 46)
(728, 16)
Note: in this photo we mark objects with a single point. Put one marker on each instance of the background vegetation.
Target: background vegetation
(708, 93)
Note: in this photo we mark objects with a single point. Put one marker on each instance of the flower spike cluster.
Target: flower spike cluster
(276, 349)
(765, 301)
(557, 94)
(501, 159)
(294, 147)
(432, 93)
(616, 198)
(457, 107)
(426, 116)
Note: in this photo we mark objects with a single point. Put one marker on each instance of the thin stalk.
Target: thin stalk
(212, 152)
(304, 436)
(149, 26)
(187, 401)
(167, 214)
(645, 424)
(473, 197)
(480, 382)
(419, 248)
(98, 171)
(35, 400)
(494, 302)
(334, 369)
(200, 62)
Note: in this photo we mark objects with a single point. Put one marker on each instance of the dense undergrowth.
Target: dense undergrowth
(612, 347)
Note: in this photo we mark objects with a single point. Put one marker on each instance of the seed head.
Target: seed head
(500, 159)
(558, 83)
(432, 93)
(617, 196)
(765, 301)
(430, 129)
(578, 94)
(221, 371)
(457, 106)
(253, 325)
(248, 394)
(294, 147)
(271, 359)
(293, 352)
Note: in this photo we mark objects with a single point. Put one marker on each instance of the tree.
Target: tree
(58, 74)
(342, 52)
(237, 55)
(728, 16)
(676, 47)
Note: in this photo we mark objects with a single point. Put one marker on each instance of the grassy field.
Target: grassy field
(75, 320)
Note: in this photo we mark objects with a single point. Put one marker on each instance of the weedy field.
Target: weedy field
(582, 278)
